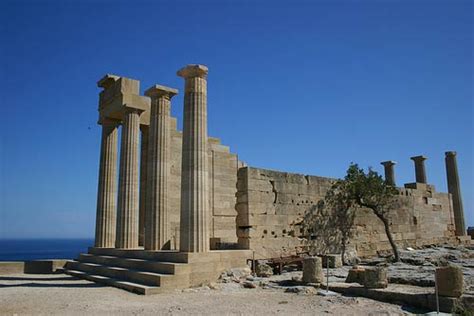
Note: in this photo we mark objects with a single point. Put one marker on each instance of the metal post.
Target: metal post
(436, 294)
(327, 274)
(253, 262)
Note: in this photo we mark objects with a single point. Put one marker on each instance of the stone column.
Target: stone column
(454, 188)
(127, 217)
(143, 184)
(420, 171)
(194, 225)
(389, 172)
(157, 233)
(107, 191)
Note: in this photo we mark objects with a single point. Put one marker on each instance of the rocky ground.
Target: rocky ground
(236, 292)
(29, 294)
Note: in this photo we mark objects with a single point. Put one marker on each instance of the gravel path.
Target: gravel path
(30, 294)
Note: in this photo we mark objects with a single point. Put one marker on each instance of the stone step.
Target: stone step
(136, 264)
(162, 255)
(129, 275)
(125, 285)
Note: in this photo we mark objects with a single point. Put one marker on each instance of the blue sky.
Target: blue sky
(300, 86)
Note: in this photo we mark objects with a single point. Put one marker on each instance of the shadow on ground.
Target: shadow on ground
(45, 282)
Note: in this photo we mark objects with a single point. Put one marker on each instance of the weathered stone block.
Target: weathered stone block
(375, 278)
(312, 270)
(356, 275)
(450, 281)
(332, 261)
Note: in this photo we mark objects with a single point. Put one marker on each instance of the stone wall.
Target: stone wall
(271, 206)
(223, 167)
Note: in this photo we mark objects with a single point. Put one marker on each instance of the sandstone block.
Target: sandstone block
(375, 278)
(450, 281)
(332, 261)
(312, 270)
(356, 275)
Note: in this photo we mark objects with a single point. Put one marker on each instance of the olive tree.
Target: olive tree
(368, 190)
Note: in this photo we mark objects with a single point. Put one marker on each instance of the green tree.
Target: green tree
(369, 190)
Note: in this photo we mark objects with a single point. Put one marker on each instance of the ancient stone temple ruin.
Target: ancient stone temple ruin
(181, 208)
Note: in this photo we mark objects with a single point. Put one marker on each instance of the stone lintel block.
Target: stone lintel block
(123, 95)
(107, 81)
(219, 148)
(157, 91)
(213, 140)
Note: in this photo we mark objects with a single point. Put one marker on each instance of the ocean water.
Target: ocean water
(35, 249)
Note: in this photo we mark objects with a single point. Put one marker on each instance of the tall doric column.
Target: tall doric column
(454, 188)
(389, 172)
(107, 191)
(143, 184)
(127, 221)
(420, 171)
(194, 225)
(157, 222)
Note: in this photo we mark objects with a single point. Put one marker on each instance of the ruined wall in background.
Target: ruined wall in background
(271, 206)
(223, 167)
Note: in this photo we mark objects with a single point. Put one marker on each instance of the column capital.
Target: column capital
(128, 108)
(158, 91)
(418, 158)
(388, 163)
(450, 153)
(106, 121)
(107, 81)
(193, 70)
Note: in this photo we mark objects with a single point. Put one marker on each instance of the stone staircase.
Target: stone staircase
(152, 272)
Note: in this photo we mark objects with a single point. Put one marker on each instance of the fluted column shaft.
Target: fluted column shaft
(194, 225)
(454, 188)
(157, 221)
(127, 219)
(107, 189)
(389, 172)
(420, 172)
(143, 185)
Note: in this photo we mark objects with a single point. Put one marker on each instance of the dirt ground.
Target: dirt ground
(32, 294)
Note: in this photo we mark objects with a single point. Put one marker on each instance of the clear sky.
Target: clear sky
(304, 87)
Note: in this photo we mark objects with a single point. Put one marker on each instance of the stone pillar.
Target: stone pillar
(107, 191)
(157, 234)
(143, 184)
(194, 225)
(454, 188)
(312, 270)
(420, 171)
(127, 217)
(389, 172)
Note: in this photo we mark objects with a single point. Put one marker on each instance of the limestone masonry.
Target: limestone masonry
(183, 197)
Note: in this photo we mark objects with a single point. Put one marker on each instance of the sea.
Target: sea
(36, 249)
